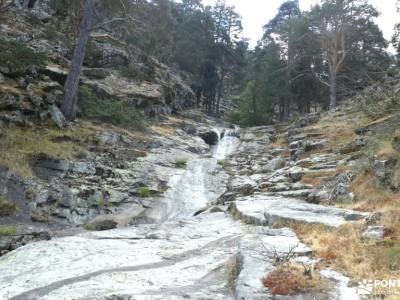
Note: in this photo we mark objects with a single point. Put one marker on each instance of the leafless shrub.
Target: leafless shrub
(281, 257)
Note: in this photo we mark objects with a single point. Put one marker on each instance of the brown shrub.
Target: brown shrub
(281, 283)
(291, 278)
(328, 255)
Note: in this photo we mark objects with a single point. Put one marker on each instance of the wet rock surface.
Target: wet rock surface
(201, 230)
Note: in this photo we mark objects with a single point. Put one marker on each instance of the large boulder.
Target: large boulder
(57, 116)
(374, 233)
(46, 167)
(309, 119)
(242, 185)
(210, 137)
(12, 117)
(8, 101)
(101, 224)
(384, 169)
(340, 187)
(276, 164)
(22, 236)
(296, 173)
(39, 9)
(270, 210)
(353, 146)
(33, 95)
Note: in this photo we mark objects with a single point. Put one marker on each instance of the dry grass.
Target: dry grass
(346, 250)
(279, 141)
(367, 193)
(381, 147)
(164, 130)
(386, 150)
(291, 279)
(315, 182)
(19, 146)
(316, 178)
(339, 132)
(379, 121)
(85, 130)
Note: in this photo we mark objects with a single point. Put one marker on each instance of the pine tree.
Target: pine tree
(72, 84)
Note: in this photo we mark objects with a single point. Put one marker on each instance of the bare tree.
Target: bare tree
(335, 51)
(332, 20)
(72, 84)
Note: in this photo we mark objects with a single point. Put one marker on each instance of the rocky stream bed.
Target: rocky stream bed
(210, 234)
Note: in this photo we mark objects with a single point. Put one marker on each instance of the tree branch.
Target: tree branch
(98, 36)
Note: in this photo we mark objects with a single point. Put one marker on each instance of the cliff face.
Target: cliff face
(112, 69)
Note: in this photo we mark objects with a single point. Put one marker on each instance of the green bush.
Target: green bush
(180, 163)
(393, 256)
(222, 162)
(6, 207)
(144, 192)
(18, 58)
(89, 227)
(6, 230)
(235, 117)
(112, 111)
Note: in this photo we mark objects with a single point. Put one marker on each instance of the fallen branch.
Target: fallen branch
(98, 36)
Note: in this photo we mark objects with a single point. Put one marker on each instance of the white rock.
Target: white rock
(374, 232)
(267, 210)
(342, 291)
(256, 259)
(125, 262)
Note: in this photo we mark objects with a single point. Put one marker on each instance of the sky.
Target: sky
(256, 13)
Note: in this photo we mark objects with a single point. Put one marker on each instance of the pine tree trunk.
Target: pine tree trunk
(284, 110)
(71, 87)
(219, 95)
(254, 108)
(332, 90)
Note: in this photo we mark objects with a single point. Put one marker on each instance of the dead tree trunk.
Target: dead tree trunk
(219, 95)
(71, 87)
(336, 52)
(332, 90)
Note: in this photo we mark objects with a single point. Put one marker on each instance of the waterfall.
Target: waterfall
(197, 186)
(188, 192)
(227, 143)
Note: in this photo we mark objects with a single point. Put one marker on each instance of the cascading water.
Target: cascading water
(227, 143)
(196, 187)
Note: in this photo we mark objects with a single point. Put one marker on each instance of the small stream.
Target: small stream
(200, 184)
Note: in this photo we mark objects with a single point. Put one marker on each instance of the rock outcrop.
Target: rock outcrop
(35, 93)
(199, 223)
